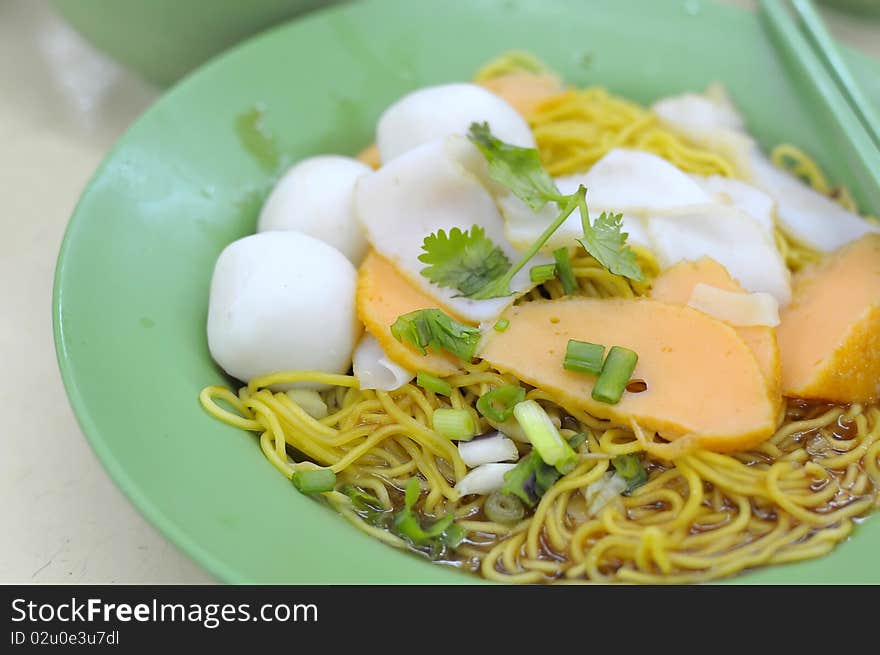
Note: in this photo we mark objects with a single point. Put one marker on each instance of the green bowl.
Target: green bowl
(131, 286)
(866, 8)
(165, 39)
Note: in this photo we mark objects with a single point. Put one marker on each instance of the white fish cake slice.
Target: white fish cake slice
(727, 235)
(421, 192)
(634, 181)
(736, 193)
(807, 215)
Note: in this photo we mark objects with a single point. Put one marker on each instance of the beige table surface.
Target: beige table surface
(61, 107)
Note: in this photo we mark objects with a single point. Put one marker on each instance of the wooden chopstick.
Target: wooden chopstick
(825, 47)
(797, 49)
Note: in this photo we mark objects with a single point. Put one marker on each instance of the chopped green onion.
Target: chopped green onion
(529, 479)
(544, 436)
(498, 404)
(455, 424)
(432, 383)
(406, 523)
(576, 440)
(517, 481)
(612, 381)
(630, 468)
(545, 476)
(542, 273)
(453, 535)
(501, 325)
(564, 272)
(583, 357)
(314, 481)
(431, 328)
(500, 507)
(361, 499)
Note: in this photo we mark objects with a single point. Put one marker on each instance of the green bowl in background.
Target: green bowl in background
(131, 285)
(870, 8)
(162, 40)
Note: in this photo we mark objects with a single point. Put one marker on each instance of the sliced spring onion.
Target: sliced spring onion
(498, 403)
(406, 523)
(432, 383)
(531, 477)
(520, 480)
(542, 273)
(612, 381)
(544, 436)
(501, 324)
(314, 481)
(502, 508)
(630, 468)
(576, 440)
(564, 272)
(488, 449)
(583, 357)
(455, 424)
(361, 499)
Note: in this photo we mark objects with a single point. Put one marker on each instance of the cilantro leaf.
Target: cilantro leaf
(606, 241)
(466, 261)
(431, 328)
(518, 169)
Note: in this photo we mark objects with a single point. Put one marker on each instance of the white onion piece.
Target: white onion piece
(310, 401)
(735, 308)
(425, 190)
(374, 369)
(315, 197)
(282, 301)
(435, 112)
(484, 479)
(750, 199)
(731, 237)
(488, 450)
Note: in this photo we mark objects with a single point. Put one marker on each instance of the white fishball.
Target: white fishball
(282, 301)
(435, 112)
(315, 197)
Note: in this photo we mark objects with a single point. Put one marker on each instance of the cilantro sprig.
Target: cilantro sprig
(466, 261)
(471, 263)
